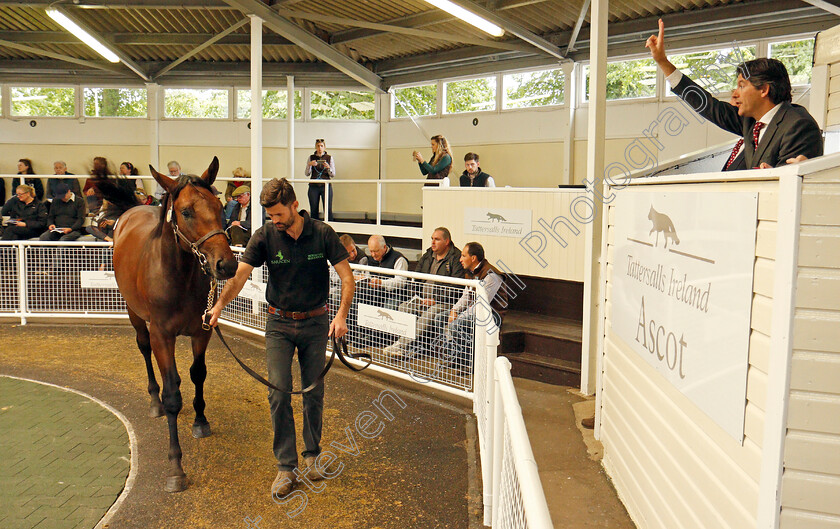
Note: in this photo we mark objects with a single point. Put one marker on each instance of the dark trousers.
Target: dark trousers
(55, 236)
(316, 198)
(282, 337)
(20, 233)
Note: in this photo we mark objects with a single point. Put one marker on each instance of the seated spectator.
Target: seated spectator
(127, 170)
(102, 226)
(390, 288)
(239, 225)
(357, 256)
(441, 163)
(66, 217)
(25, 168)
(442, 259)
(473, 176)
(230, 202)
(174, 172)
(28, 215)
(145, 200)
(60, 168)
(461, 320)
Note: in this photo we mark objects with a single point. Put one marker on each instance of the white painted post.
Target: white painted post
(153, 102)
(569, 133)
(290, 131)
(256, 116)
(498, 434)
(595, 153)
(24, 306)
(781, 351)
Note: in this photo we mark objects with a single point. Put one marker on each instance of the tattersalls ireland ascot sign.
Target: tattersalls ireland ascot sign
(682, 292)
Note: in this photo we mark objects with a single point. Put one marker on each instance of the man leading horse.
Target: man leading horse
(297, 250)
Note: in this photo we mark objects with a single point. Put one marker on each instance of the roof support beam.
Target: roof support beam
(419, 20)
(583, 11)
(125, 59)
(141, 39)
(317, 17)
(511, 27)
(202, 46)
(308, 42)
(824, 5)
(82, 62)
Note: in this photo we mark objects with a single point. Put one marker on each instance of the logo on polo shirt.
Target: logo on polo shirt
(314, 256)
(278, 259)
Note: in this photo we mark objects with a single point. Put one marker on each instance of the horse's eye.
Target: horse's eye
(186, 213)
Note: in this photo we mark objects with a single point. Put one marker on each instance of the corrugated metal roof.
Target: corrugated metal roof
(133, 27)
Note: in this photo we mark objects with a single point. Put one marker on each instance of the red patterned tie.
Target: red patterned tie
(734, 153)
(756, 130)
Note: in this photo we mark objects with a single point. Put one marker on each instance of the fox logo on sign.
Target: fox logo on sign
(662, 222)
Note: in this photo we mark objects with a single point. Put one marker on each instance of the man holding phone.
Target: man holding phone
(320, 166)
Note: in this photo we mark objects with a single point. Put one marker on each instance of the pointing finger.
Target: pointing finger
(661, 31)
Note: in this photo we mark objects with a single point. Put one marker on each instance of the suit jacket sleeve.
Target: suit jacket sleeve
(803, 136)
(721, 114)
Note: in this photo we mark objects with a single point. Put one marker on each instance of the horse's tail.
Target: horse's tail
(118, 192)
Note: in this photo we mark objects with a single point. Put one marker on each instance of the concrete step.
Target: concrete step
(535, 366)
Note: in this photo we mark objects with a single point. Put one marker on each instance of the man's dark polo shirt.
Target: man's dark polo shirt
(298, 272)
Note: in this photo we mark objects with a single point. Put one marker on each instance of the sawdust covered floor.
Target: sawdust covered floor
(414, 474)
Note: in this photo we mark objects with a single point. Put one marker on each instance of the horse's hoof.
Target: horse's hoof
(176, 484)
(201, 430)
(156, 410)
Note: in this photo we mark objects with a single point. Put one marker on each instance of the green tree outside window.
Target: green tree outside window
(116, 102)
(534, 89)
(415, 100)
(797, 56)
(195, 103)
(40, 101)
(342, 104)
(470, 95)
(274, 104)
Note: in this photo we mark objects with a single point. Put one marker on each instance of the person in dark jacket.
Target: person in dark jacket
(25, 168)
(66, 217)
(60, 169)
(432, 299)
(239, 225)
(28, 215)
(473, 176)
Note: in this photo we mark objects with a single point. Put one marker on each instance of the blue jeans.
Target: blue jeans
(317, 193)
(229, 210)
(282, 337)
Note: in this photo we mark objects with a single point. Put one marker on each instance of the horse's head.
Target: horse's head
(196, 216)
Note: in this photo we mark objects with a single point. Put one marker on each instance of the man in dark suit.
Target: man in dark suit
(775, 132)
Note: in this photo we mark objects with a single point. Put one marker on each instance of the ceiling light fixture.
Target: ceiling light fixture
(82, 35)
(468, 17)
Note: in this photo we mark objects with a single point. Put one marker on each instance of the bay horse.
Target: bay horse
(164, 257)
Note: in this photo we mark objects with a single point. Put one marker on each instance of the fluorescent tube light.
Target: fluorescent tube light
(468, 17)
(82, 35)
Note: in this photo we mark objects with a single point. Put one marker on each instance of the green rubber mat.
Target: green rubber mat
(64, 458)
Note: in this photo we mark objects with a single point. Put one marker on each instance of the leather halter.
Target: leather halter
(194, 246)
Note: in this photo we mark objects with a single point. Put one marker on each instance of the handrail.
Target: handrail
(509, 413)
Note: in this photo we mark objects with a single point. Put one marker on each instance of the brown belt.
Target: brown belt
(298, 315)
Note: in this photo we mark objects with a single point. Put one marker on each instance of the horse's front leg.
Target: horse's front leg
(163, 346)
(198, 374)
(144, 344)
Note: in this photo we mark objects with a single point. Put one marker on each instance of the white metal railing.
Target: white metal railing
(75, 280)
(519, 500)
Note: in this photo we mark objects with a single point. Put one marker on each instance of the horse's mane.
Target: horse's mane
(121, 199)
(169, 198)
(119, 196)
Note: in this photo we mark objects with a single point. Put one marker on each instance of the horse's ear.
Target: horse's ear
(211, 172)
(166, 182)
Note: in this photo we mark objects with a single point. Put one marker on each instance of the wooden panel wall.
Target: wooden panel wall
(672, 466)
